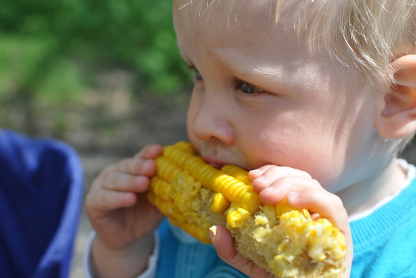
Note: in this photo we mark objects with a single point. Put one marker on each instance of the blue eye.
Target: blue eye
(198, 76)
(249, 88)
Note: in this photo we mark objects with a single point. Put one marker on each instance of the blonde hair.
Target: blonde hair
(365, 34)
(368, 34)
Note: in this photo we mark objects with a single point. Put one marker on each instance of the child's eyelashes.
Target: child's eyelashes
(248, 88)
(244, 86)
(197, 75)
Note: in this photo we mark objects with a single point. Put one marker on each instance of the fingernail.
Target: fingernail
(254, 171)
(126, 195)
(292, 195)
(268, 189)
(260, 179)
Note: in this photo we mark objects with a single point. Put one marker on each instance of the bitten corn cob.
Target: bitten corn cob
(288, 243)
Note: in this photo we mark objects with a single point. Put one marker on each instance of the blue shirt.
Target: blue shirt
(187, 258)
(385, 241)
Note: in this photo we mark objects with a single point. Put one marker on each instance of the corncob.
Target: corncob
(287, 242)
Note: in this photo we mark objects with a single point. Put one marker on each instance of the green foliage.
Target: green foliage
(21, 62)
(135, 34)
(50, 51)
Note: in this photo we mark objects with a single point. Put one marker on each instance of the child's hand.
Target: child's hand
(119, 210)
(275, 183)
(117, 204)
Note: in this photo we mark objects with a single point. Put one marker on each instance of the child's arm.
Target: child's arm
(301, 192)
(122, 217)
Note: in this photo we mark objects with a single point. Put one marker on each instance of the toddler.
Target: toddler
(316, 99)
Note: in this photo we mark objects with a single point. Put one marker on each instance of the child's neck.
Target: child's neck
(363, 196)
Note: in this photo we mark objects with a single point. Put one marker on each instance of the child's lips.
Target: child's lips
(215, 162)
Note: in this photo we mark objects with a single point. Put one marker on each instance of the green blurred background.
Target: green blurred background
(103, 75)
(85, 71)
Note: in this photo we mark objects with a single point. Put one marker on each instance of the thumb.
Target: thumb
(224, 244)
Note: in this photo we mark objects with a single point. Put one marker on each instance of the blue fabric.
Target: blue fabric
(385, 241)
(189, 260)
(41, 194)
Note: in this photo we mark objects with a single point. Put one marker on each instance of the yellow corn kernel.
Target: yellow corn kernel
(237, 172)
(236, 216)
(282, 207)
(219, 203)
(286, 242)
(211, 178)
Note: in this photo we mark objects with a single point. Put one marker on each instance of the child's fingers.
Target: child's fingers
(224, 245)
(255, 173)
(150, 152)
(264, 176)
(120, 181)
(108, 200)
(141, 164)
(135, 166)
(224, 242)
(326, 204)
(278, 189)
(273, 170)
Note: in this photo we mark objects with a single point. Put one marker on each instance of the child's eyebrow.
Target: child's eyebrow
(261, 72)
(248, 66)
(267, 74)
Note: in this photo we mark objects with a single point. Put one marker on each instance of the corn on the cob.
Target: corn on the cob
(288, 243)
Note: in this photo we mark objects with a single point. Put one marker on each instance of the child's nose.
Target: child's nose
(211, 121)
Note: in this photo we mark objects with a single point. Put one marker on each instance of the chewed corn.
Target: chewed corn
(213, 230)
(287, 242)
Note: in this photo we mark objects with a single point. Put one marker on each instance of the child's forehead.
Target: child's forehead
(234, 32)
(226, 22)
(254, 46)
(266, 20)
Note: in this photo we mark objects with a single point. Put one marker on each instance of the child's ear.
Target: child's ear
(398, 117)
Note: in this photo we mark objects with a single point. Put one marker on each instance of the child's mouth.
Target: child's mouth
(216, 163)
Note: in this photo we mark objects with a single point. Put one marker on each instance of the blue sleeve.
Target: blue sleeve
(40, 200)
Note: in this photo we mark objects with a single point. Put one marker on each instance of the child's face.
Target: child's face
(261, 99)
